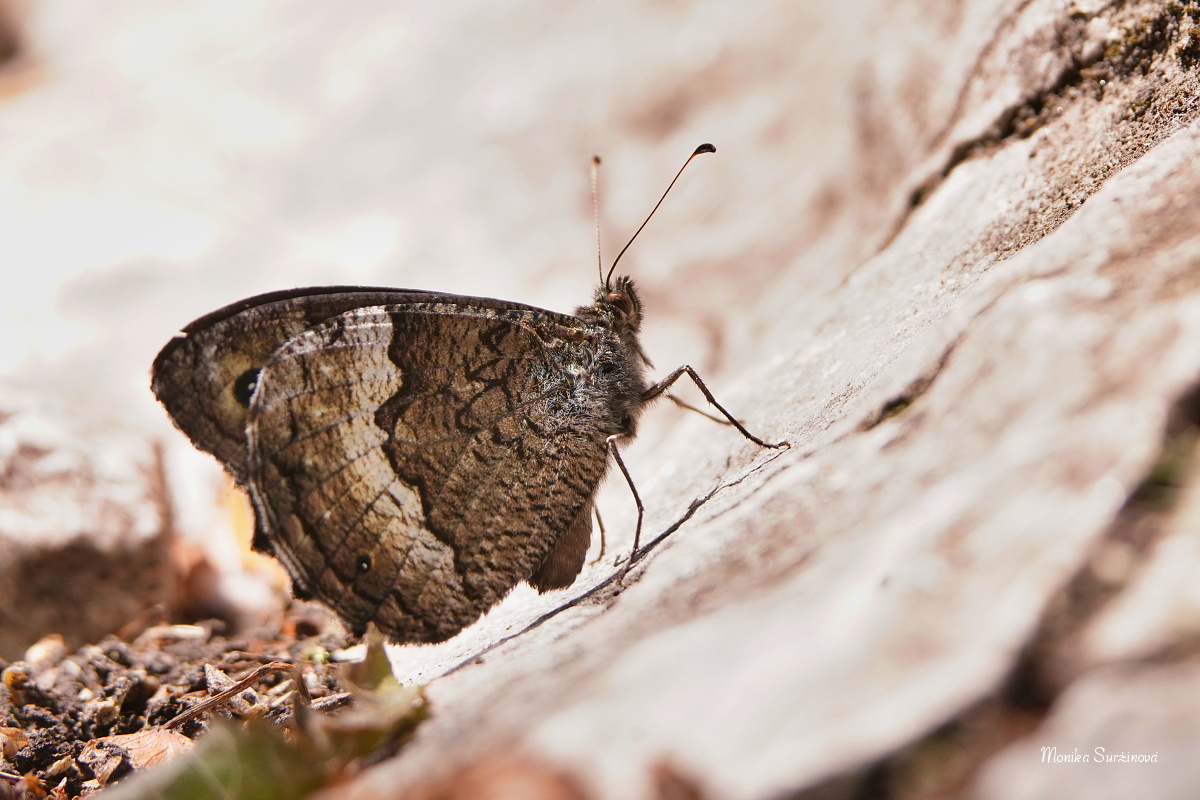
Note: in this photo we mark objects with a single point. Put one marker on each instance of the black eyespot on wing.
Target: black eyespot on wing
(243, 386)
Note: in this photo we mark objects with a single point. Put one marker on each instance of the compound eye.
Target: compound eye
(622, 302)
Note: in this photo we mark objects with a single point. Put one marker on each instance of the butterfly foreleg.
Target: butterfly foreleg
(662, 386)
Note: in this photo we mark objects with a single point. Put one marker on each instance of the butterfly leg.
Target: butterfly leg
(603, 541)
(689, 407)
(611, 441)
(661, 387)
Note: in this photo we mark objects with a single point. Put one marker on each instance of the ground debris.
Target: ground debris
(73, 722)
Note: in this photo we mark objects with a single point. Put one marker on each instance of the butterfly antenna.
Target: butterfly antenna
(596, 212)
(704, 148)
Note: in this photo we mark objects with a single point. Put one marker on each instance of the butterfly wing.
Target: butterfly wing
(205, 376)
(412, 463)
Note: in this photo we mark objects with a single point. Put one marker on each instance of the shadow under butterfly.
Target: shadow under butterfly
(413, 455)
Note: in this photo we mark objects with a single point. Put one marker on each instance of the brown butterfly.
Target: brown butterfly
(411, 455)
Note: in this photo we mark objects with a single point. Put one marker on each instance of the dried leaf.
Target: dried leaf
(142, 749)
(12, 740)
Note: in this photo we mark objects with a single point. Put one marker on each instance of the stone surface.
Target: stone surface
(85, 537)
(948, 250)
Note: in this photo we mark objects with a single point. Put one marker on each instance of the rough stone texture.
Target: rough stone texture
(85, 542)
(949, 250)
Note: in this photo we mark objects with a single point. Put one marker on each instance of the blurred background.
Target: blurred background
(163, 160)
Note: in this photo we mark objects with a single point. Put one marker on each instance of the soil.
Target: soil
(57, 707)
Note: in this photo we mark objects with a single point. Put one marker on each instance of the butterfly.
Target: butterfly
(412, 456)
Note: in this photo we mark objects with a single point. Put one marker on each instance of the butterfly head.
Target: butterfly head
(618, 308)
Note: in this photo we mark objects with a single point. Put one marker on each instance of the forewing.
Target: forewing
(413, 463)
(205, 376)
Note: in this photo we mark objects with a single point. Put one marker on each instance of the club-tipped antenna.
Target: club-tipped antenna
(704, 148)
(596, 212)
